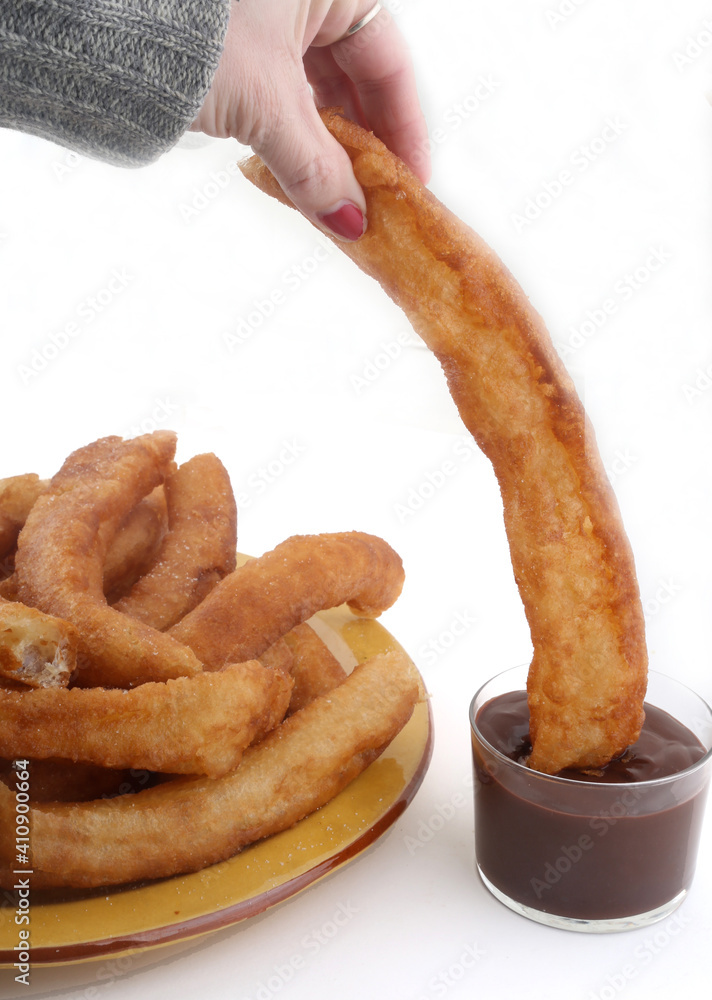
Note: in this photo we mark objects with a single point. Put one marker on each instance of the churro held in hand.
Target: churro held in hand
(571, 557)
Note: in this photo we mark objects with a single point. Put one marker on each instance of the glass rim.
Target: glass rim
(567, 782)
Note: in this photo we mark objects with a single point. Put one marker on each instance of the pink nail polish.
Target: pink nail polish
(347, 221)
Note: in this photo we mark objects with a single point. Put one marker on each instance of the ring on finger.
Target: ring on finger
(361, 23)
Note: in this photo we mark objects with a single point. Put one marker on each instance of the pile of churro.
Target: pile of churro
(131, 643)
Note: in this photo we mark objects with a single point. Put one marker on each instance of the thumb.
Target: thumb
(311, 167)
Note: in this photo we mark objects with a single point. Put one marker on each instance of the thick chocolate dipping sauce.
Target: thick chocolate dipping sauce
(567, 845)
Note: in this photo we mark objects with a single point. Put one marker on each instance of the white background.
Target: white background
(513, 96)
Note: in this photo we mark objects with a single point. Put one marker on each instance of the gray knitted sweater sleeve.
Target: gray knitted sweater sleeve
(120, 80)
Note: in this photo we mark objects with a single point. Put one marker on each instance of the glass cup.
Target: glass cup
(582, 855)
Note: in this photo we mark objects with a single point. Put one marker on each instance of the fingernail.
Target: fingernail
(347, 221)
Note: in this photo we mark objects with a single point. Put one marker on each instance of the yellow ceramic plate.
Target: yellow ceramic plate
(157, 913)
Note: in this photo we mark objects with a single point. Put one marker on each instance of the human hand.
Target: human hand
(274, 49)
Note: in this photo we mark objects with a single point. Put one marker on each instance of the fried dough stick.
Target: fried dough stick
(131, 553)
(266, 597)
(36, 650)
(55, 780)
(571, 558)
(190, 725)
(198, 549)
(278, 657)
(186, 824)
(134, 547)
(61, 553)
(315, 669)
(17, 497)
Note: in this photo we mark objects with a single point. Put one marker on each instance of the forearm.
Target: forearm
(117, 79)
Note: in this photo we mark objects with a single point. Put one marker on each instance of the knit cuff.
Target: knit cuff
(120, 80)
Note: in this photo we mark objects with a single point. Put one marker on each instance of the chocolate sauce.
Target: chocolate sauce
(590, 846)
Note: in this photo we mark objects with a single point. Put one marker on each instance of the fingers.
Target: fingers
(377, 63)
(310, 166)
(331, 87)
(371, 76)
(272, 109)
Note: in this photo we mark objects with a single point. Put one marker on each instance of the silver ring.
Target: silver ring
(361, 23)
